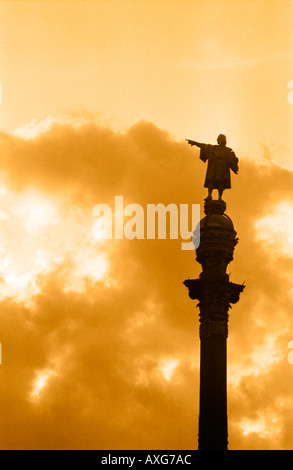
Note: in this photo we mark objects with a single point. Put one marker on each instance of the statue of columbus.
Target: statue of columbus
(220, 160)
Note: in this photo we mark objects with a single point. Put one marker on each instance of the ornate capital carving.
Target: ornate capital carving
(215, 297)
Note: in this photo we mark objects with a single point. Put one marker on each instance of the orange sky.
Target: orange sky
(100, 346)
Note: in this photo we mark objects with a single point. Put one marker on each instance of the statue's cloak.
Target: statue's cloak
(221, 160)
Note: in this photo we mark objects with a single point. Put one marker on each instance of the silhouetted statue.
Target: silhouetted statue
(220, 160)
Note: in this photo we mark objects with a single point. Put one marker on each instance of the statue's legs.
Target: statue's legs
(210, 190)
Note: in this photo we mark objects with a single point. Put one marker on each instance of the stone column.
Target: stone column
(215, 293)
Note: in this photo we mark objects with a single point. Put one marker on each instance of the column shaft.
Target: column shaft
(213, 427)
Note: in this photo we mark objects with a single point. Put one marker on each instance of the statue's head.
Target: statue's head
(222, 139)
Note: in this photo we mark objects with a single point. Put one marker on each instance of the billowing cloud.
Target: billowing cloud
(99, 337)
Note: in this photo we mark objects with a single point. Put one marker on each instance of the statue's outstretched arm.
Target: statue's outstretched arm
(192, 142)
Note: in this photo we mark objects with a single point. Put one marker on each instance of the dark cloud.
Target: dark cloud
(106, 343)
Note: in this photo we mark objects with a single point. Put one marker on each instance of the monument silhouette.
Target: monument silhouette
(215, 293)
